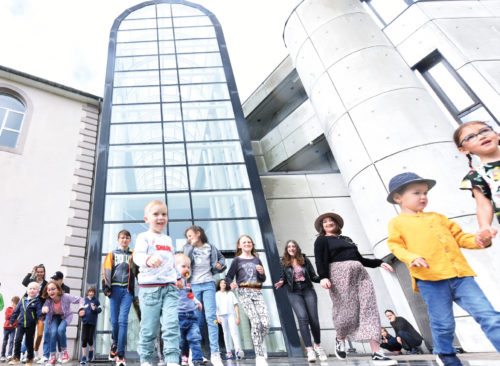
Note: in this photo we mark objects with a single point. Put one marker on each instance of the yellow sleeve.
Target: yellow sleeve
(397, 245)
(464, 240)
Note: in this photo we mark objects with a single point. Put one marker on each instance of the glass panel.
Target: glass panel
(135, 133)
(178, 206)
(164, 22)
(204, 92)
(389, 9)
(135, 155)
(135, 180)
(199, 59)
(168, 77)
(163, 10)
(480, 114)
(110, 234)
(183, 10)
(14, 120)
(136, 35)
(170, 93)
(224, 234)
(166, 47)
(10, 102)
(176, 231)
(135, 113)
(136, 78)
(197, 45)
(218, 177)
(3, 112)
(192, 21)
(451, 87)
(137, 24)
(165, 34)
(274, 341)
(207, 110)
(171, 111)
(196, 32)
(145, 12)
(214, 152)
(136, 63)
(168, 62)
(176, 178)
(134, 95)
(223, 204)
(8, 138)
(174, 154)
(136, 48)
(208, 75)
(172, 132)
(123, 207)
(211, 130)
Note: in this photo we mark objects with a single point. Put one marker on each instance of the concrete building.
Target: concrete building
(370, 89)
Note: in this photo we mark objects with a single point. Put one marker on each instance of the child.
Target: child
(228, 315)
(188, 309)
(57, 308)
(9, 330)
(206, 261)
(483, 180)
(249, 272)
(158, 295)
(430, 245)
(92, 307)
(27, 311)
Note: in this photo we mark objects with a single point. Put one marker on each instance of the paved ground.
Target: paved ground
(468, 359)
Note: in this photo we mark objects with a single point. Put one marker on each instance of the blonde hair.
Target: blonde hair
(181, 257)
(239, 250)
(150, 204)
(34, 283)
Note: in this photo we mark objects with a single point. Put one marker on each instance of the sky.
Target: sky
(66, 41)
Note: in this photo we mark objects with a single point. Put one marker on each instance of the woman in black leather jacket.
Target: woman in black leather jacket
(298, 274)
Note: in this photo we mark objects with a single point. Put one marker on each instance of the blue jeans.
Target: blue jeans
(120, 301)
(159, 306)
(190, 334)
(439, 297)
(57, 333)
(8, 337)
(205, 293)
(304, 303)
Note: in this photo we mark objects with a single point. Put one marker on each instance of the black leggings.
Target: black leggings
(88, 331)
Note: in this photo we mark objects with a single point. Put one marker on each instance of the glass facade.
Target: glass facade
(170, 131)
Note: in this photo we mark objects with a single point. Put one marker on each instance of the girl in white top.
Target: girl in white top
(228, 315)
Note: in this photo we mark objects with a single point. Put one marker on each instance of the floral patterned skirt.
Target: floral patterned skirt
(355, 313)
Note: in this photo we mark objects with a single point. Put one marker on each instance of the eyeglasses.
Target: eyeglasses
(485, 131)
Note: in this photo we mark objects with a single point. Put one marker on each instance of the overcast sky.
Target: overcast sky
(66, 41)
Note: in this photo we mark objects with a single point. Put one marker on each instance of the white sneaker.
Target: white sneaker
(240, 354)
(216, 360)
(311, 355)
(260, 361)
(24, 357)
(340, 349)
(43, 360)
(264, 348)
(321, 353)
(184, 360)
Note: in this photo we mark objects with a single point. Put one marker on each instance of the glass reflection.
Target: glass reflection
(137, 24)
(172, 132)
(208, 75)
(214, 152)
(136, 78)
(166, 47)
(165, 34)
(110, 234)
(204, 92)
(171, 112)
(144, 12)
(178, 206)
(195, 32)
(207, 110)
(168, 62)
(168, 77)
(192, 21)
(169, 93)
(136, 48)
(135, 133)
(135, 155)
(207, 205)
(174, 154)
(211, 130)
(199, 59)
(163, 10)
(133, 95)
(136, 35)
(176, 231)
(136, 63)
(218, 177)
(176, 178)
(123, 207)
(197, 45)
(135, 180)
(224, 234)
(182, 10)
(135, 113)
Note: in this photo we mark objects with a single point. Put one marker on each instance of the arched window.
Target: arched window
(12, 113)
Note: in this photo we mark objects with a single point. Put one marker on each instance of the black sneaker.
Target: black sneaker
(340, 349)
(113, 352)
(379, 359)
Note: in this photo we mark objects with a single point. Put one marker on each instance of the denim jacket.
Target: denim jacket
(309, 274)
(215, 257)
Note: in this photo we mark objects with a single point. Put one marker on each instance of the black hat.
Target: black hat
(57, 276)
(399, 181)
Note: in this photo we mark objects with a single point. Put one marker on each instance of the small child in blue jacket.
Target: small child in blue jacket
(91, 308)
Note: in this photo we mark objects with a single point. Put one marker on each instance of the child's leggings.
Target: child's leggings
(230, 330)
(255, 308)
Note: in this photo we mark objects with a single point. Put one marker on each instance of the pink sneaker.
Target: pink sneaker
(65, 356)
(52, 359)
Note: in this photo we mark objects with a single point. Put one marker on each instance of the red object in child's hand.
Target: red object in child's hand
(190, 295)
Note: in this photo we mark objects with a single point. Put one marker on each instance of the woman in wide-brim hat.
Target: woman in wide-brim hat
(341, 270)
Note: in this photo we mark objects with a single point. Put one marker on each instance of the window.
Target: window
(460, 101)
(12, 112)
(385, 11)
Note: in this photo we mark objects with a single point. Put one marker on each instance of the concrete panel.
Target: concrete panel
(345, 143)
(257, 150)
(356, 82)
(261, 164)
(271, 139)
(324, 185)
(344, 35)
(454, 9)
(298, 117)
(303, 136)
(493, 7)
(473, 36)
(315, 13)
(379, 120)
(324, 310)
(275, 156)
(294, 35)
(471, 337)
(308, 65)
(406, 24)
(285, 186)
(326, 101)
